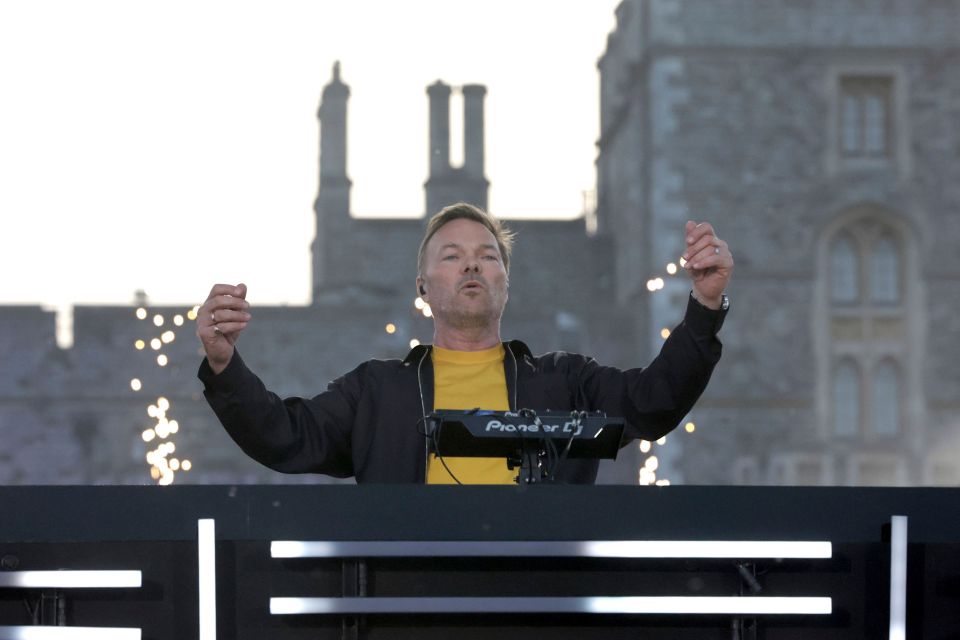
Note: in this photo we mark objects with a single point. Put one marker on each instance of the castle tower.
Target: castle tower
(447, 184)
(332, 206)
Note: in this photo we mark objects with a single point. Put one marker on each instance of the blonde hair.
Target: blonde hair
(503, 235)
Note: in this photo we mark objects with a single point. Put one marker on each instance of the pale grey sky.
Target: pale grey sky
(168, 145)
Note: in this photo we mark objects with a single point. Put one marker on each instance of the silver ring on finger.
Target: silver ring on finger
(217, 331)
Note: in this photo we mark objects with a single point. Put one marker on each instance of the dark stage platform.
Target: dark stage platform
(297, 562)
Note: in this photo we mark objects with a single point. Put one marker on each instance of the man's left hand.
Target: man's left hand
(709, 263)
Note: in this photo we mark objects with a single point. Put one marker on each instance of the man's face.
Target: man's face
(463, 275)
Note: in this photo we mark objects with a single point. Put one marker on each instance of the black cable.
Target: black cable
(417, 426)
(439, 456)
(434, 437)
(532, 415)
(578, 418)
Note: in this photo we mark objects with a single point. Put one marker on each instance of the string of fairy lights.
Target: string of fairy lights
(162, 462)
(651, 463)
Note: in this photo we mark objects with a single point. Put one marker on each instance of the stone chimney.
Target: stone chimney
(473, 129)
(447, 184)
(439, 94)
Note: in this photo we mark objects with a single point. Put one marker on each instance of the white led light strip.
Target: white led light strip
(70, 579)
(590, 605)
(898, 577)
(207, 575)
(69, 633)
(738, 549)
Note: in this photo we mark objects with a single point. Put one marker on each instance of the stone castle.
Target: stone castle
(822, 139)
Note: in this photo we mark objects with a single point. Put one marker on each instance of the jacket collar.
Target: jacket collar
(519, 349)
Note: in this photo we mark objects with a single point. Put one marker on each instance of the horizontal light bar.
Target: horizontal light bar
(555, 549)
(591, 605)
(69, 633)
(70, 579)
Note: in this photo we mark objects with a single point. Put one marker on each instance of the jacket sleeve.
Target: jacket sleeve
(291, 435)
(654, 400)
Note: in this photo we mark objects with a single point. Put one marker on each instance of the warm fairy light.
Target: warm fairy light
(683, 261)
(414, 343)
(671, 268)
(139, 345)
(645, 446)
(390, 328)
(162, 470)
(664, 333)
(647, 476)
(651, 285)
(662, 483)
(662, 441)
(690, 427)
(652, 463)
(654, 284)
(427, 311)
(418, 303)
(141, 313)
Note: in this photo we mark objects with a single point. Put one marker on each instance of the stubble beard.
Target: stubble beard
(470, 320)
(463, 319)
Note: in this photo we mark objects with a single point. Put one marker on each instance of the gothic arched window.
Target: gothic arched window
(885, 399)
(884, 271)
(866, 338)
(844, 271)
(846, 399)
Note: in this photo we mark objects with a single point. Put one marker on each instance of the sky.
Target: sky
(166, 146)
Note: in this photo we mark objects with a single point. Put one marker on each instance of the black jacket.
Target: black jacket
(368, 423)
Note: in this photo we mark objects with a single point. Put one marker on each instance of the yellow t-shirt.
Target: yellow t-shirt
(469, 380)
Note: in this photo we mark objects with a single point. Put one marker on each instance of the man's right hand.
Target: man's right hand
(219, 322)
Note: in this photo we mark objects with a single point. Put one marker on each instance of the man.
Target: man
(369, 423)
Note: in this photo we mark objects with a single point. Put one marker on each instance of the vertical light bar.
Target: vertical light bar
(207, 572)
(898, 578)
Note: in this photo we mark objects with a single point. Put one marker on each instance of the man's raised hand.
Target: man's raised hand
(220, 320)
(709, 262)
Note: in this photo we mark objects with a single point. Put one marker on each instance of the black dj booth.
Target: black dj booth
(535, 561)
